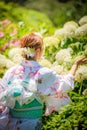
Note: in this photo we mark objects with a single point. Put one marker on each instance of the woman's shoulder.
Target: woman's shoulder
(47, 73)
(44, 70)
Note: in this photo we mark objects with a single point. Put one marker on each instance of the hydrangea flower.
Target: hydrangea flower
(9, 63)
(4, 62)
(64, 55)
(51, 41)
(15, 55)
(81, 31)
(51, 45)
(81, 73)
(68, 30)
(85, 92)
(71, 24)
(83, 20)
(45, 62)
(59, 69)
(61, 32)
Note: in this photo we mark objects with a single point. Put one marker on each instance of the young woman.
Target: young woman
(27, 86)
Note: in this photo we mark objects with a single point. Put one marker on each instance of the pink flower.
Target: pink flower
(1, 34)
(19, 71)
(6, 22)
(15, 43)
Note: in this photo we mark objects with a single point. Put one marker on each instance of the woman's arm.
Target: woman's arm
(76, 64)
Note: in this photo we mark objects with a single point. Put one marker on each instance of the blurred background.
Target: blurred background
(58, 11)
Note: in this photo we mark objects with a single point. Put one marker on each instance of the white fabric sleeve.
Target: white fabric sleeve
(51, 83)
(65, 82)
(6, 77)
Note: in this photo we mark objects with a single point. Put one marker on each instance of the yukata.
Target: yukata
(28, 81)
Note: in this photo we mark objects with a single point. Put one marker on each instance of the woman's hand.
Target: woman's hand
(75, 65)
(81, 61)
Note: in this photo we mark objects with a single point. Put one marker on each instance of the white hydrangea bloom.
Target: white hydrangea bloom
(71, 27)
(59, 69)
(81, 73)
(81, 31)
(9, 63)
(4, 62)
(68, 30)
(15, 55)
(17, 58)
(14, 51)
(45, 62)
(51, 41)
(64, 55)
(64, 32)
(61, 32)
(71, 24)
(83, 20)
(85, 92)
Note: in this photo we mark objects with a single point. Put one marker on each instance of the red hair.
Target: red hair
(32, 40)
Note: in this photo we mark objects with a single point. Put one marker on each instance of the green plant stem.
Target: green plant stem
(81, 87)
